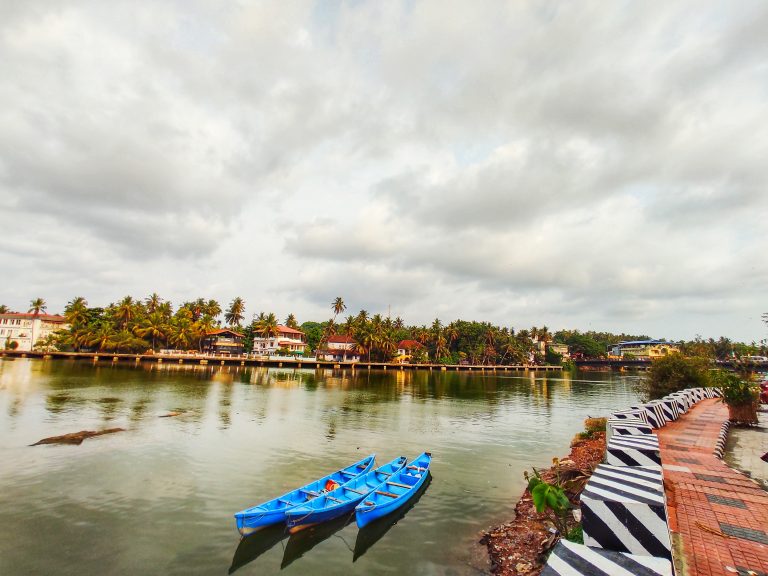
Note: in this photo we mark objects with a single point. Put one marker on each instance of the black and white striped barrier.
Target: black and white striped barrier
(716, 392)
(625, 414)
(623, 509)
(633, 451)
(669, 409)
(682, 401)
(569, 559)
(627, 427)
(651, 413)
(722, 438)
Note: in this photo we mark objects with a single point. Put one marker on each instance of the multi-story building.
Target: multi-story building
(561, 349)
(340, 348)
(289, 339)
(28, 329)
(643, 349)
(223, 342)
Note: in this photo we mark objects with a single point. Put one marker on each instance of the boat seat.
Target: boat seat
(389, 494)
(347, 473)
(355, 491)
(400, 485)
(311, 493)
(286, 502)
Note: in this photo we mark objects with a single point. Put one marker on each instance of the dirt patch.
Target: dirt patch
(520, 547)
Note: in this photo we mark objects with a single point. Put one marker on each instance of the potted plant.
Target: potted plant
(741, 395)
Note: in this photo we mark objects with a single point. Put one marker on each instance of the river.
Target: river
(159, 497)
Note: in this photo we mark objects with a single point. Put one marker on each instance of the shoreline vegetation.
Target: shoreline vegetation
(140, 326)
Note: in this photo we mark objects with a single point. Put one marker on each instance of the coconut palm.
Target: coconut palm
(212, 309)
(291, 322)
(125, 312)
(4, 309)
(235, 313)
(338, 307)
(350, 326)
(152, 302)
(183, 332)
(37, 305)
(103, 338)
(398, 324)
(153, 326)
(268, 326)
(362, 316)
(441, 347)
(76, 312)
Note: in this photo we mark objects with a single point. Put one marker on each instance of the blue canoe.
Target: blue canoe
(343, 499)
(394, 492)
(273, 511)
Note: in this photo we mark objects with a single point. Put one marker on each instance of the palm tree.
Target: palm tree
(212, 308)
(125, 311)
(235, 312)
(152, 302)
(291, 322)
(267, 327)
(4, 309)
(398, 324)
(153, 326)
(103, 338)
(350, 326)
(441, 348)
(183, 331)
(362, 316)
(76, 312)
(37, 305)
(338, 307)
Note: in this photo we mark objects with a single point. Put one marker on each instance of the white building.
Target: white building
(340, 348)
(27, 329)
(287, 338)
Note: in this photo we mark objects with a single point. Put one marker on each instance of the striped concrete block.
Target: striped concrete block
(633, 451)
(624, 414)
(722, 438)
(682, 401)
(652, 413)
(716, 393)
(626, 427)
(669, 409)
(569, 559)
(698, 394)
(623, 509)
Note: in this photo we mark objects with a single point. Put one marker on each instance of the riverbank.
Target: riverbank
(270, 362)
(520, 547)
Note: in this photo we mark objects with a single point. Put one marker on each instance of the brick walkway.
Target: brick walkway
(718, 517)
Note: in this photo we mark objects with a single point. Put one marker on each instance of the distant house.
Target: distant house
(643, 349)
(28, 329)
(290, 339)
(340, 348)
(223, 342)
(561, 349)
(406, 350)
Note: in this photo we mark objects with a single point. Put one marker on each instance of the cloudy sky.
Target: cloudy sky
(588, 165)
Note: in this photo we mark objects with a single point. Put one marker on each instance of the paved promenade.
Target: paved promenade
(718, 517)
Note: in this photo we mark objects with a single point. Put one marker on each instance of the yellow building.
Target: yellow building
(644, 349)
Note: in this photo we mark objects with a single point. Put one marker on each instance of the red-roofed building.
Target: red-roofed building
(289, 339)
(28, 329)
(406, 349)
(340, 348)
(223, 342)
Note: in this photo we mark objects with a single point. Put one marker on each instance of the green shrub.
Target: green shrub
(672, 373)
(737, 391)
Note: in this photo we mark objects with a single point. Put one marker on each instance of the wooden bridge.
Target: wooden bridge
(265, 361)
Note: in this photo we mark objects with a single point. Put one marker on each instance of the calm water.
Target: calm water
(159, 498)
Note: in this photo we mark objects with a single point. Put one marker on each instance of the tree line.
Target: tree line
(138, 325)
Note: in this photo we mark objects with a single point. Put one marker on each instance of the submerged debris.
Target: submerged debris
(171, 414)
(76, 437)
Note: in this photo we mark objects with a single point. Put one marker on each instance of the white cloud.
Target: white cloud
(578, 165)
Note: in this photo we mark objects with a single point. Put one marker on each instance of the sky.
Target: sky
(582, 165)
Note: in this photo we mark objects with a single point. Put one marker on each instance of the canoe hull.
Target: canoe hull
(343, 499)
(274, 511)
(365, 513)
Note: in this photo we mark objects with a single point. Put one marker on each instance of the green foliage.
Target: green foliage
(737, 391)
(576, 534)
(672, 373)
(549, 498)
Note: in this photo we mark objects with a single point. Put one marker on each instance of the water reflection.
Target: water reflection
(303, 541)
(253, 546)
(169, 488)
(376, 530)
